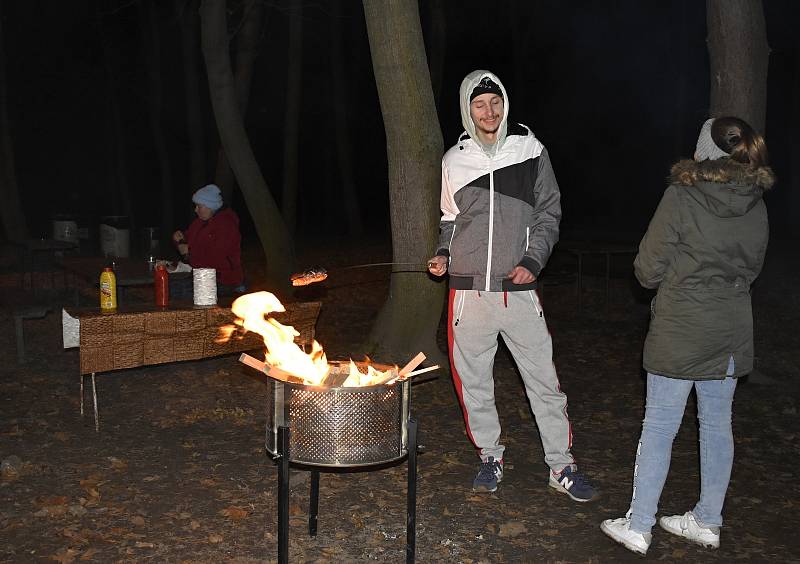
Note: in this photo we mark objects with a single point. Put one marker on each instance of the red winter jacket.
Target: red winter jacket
(216, 243)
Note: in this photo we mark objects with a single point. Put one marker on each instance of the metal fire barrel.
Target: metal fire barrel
(339, 426)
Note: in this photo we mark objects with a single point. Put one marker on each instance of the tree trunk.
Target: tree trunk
(11, 209)
(344, 151)
(246, 51)
(119, 193)
(739, 57)
(794, 148)
(291, 129)
(409, 319)
(152, 49)
(680, 42)
(437, 46)
(189, 24)
(268, 221)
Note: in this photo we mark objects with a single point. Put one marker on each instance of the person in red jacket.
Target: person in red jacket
(213, 240)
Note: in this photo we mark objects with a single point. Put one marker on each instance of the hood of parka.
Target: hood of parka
(467, 86)
(724, 187)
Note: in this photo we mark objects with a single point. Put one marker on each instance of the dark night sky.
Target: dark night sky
(598, 82)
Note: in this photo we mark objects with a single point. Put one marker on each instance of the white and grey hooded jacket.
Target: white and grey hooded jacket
(501, 205)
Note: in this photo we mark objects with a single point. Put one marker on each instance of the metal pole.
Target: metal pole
(283, 495)
(411, 502)
(313, 503)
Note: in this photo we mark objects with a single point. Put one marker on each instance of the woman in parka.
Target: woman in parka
(703, 249)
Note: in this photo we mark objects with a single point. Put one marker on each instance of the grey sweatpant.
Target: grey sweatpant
(475, 320)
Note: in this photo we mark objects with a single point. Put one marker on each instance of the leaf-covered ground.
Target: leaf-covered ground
(179, 473)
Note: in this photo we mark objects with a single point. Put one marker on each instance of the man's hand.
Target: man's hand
(437, 265)
(177, 237)
(183, 249)
(521, 275)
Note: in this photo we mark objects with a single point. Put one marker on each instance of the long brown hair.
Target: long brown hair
(742, 142)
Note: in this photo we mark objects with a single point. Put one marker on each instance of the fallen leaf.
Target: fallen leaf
(512, 529)
(234, 513)
(89, 554)
(138, 521)
(118, 464)
(61, 436)
(65, 555)
(50, 500)
(214, 538)
(144, 545)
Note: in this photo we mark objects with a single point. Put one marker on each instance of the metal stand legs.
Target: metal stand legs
(411, 498)
(94, 402)
(283, 495)
(313, 504)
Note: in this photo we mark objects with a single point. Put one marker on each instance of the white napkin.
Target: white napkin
(180, 266)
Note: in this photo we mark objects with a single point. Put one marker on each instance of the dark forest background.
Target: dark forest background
(616, 91)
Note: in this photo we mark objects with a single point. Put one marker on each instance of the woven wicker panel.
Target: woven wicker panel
(217, 316)
(159, 350)
(214, 348)
(128, 323)
(304, 320)
(160, 323)
(125, 338)
(128, 355)
(188, 346)
(190, 320)
(96, 359)
(95, 331)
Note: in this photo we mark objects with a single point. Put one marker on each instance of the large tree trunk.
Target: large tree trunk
(437, 45)
(739, 57)
(344, 151)
(11, 208)
(152, 48)
(291, 129)
(120, 200)
(794, 148)
(189, 24)
(246, 51)
(409, 319)
(268, 221)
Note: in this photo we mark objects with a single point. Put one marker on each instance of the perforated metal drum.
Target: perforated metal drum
(339, 426)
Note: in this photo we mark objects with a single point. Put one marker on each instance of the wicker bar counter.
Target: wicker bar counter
(145, 335)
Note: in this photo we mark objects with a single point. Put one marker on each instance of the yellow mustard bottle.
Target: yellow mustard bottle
(108, 290)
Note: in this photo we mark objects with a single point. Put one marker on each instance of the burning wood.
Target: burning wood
(284, 359)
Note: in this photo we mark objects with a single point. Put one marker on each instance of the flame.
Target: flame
(357, 378)
(282, 352)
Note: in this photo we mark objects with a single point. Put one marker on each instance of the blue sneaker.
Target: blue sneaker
(574, 484)
(489, 475)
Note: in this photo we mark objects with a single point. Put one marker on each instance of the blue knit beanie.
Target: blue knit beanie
(208, 196)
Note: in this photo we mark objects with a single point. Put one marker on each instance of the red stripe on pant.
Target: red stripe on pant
(453, 371)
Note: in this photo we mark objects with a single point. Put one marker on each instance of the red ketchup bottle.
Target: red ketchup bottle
(161, 282)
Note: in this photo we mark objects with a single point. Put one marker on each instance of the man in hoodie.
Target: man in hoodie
(500, 216)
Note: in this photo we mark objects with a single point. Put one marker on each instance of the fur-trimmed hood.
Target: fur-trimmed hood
(724, 187)
(689, 172)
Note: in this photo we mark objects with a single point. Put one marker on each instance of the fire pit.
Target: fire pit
(339, 426)
(329, 415)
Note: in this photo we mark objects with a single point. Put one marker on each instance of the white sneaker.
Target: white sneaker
(686, 526)
(620, 531)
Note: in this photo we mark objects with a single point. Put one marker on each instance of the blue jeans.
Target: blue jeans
(666, 402)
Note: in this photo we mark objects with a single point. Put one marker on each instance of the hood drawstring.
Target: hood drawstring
(460, 308)
(505, 298)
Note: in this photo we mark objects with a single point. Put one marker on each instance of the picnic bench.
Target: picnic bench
(147, 335)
